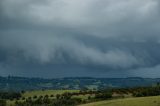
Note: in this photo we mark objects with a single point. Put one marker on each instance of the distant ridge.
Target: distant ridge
(23, 83)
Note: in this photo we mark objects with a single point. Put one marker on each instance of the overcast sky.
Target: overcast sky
(69, 38)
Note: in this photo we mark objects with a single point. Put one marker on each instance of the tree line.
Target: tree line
(68, 99)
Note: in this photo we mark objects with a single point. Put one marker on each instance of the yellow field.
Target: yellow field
(46, 92)
(144, 101)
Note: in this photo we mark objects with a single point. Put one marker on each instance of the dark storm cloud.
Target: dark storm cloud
(102, 36)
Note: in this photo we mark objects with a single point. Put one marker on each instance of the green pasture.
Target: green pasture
(143, 101)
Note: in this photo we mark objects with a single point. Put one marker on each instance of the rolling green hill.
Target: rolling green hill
(143, 101)
(129, 101)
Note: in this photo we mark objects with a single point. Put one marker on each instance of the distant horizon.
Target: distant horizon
(80, 77)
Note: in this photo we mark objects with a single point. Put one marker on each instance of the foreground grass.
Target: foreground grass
(143, 101)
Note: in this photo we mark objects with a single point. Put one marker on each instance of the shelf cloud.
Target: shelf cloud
(102, 38)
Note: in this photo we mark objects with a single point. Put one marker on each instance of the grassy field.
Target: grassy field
(143, 101)
(46, 92)
(40, 93)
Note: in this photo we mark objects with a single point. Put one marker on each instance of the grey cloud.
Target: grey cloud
(46, 49)
(147, 72)
(53, 49)
(100, 18)
(107, 34)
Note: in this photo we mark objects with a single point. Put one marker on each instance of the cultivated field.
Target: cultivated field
(143, 101)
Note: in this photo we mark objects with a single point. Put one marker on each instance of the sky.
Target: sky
(80, 38)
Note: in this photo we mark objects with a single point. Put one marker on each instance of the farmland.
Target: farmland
(37, 93)
(46, 92)
(142, 101)
(85, 97)
(132, 101)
